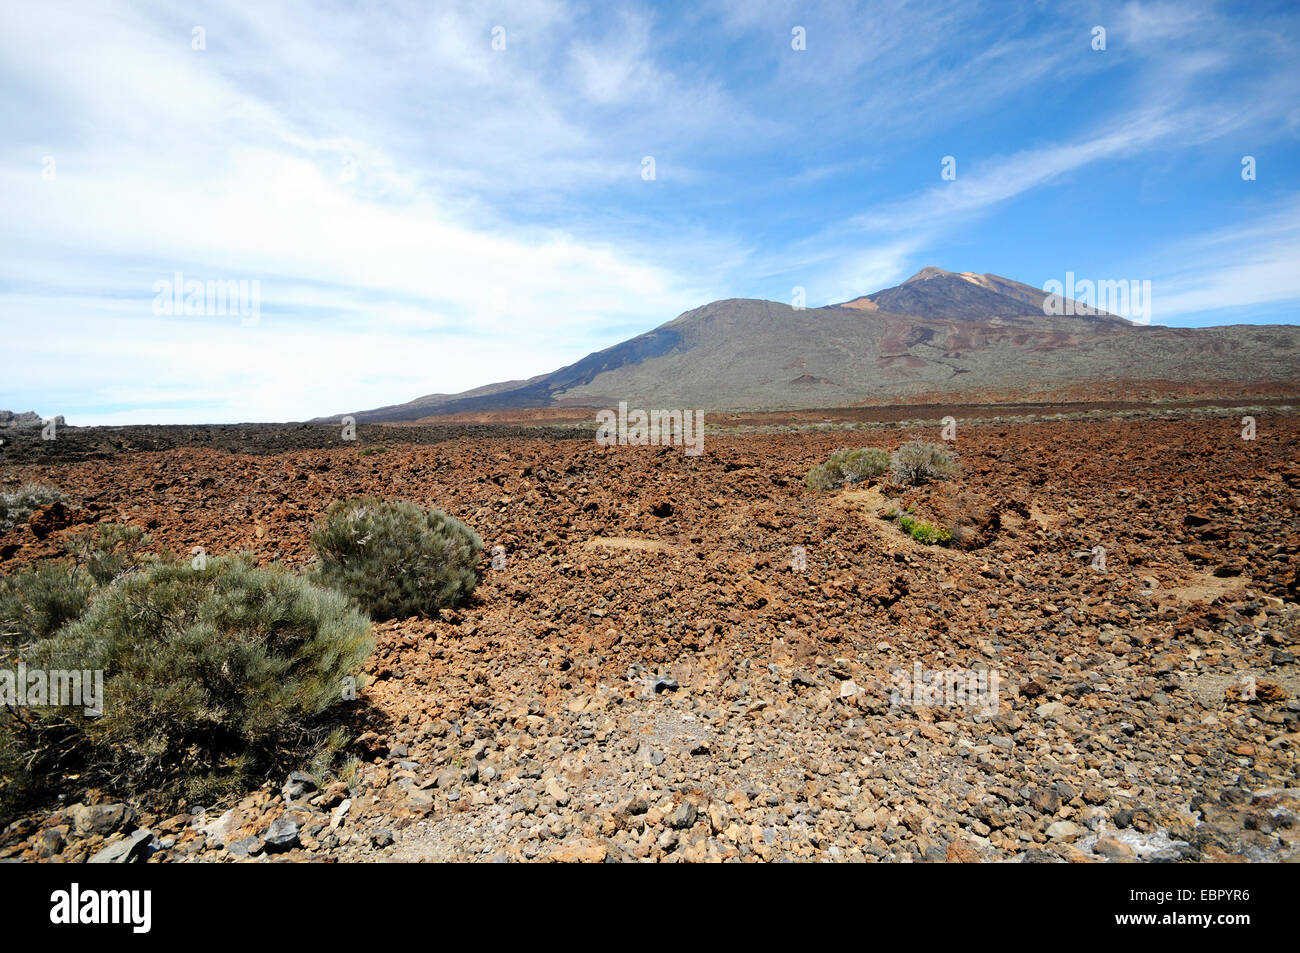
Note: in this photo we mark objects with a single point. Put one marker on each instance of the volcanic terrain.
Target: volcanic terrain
(938, 337)
(680, 658)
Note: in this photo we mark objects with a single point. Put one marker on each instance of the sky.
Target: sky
(420, 197)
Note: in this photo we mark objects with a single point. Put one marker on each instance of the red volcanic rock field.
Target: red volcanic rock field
(695, 658)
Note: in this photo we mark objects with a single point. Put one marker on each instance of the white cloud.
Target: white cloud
(1251, 265)
(424, 213)
(185, 168)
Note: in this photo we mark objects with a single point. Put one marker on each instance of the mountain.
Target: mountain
(937, 336)
(935, 293)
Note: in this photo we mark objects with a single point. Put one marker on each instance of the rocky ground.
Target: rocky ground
(27, 444)
(692, 658)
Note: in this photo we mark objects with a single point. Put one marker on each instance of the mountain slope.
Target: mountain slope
(939, 334)
(935, 293)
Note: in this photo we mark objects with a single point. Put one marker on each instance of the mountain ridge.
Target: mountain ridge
(938, 332)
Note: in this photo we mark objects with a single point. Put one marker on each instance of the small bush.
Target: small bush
(396, 559)
(847, 467)
(918, 462)
(372, 450)
(109, 550)
(864, 464)
(36, 603)
(15, 507)
(924, 532)
(208, 674)
(823, 476)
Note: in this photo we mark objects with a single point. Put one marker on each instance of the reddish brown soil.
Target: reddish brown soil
(629, 561)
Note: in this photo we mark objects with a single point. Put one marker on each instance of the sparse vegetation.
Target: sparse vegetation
(37, 602)
(919, 462)
(847, 467)
(593, 575)
(396, 559)
(372, 450)
(109, 550)
(208, 676)
(924, 532)
(15, 507)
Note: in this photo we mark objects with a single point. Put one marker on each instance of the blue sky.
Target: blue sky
(424, 213)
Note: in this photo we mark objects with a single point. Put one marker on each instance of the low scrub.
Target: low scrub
(396, 559)
(109, 550)
(924, 532)
(920, 530)
(16, 506)
(37, 602)
(847, 467)
(211, 677)
(919, 462)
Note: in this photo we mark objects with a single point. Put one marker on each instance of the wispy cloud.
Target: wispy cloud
(1232, 269)
(425, 212)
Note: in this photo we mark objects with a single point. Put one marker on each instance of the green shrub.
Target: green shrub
(847, 467)
(823, 476)
(372, 450)
(15, 507)
(864, 464)
(37, 602)
(396, 559)
(109, 550)
(919, 462)
(924, 532)
(209, 675)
